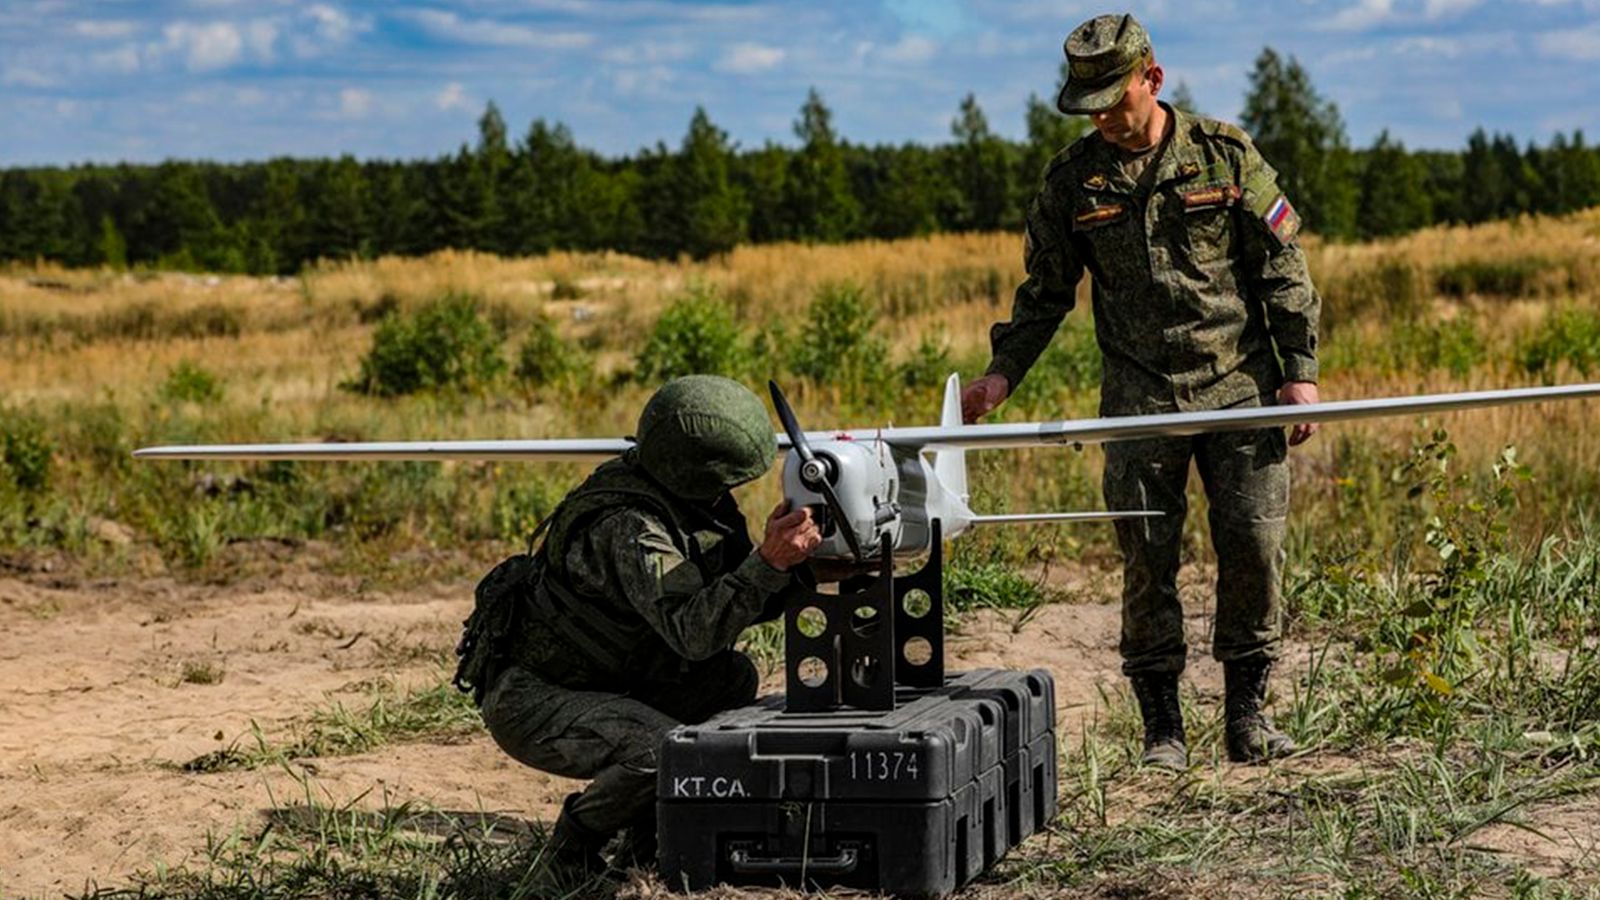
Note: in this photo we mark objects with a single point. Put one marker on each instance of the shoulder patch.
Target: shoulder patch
(1282, 220)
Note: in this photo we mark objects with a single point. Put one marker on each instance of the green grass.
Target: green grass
(439, 713)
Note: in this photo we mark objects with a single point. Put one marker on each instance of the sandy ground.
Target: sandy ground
(95, 710)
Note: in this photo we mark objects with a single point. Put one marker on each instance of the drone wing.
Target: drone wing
(1122, 428)
(556, 450)
(942, 437)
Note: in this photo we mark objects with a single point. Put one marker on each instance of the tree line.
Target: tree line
(544, 192)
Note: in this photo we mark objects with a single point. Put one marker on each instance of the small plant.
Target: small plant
(445, 345)
(546, 359)
(25, 451)
(1569, 336)
(188, 382)
(927, 365)
(696, 335)
(838, 344)
(201, 672)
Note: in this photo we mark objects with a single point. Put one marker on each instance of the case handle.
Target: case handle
(746, 864)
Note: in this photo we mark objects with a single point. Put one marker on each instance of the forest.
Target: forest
(543, 191)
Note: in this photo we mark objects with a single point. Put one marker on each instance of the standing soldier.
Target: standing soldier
(622, 625)
(1201, 301)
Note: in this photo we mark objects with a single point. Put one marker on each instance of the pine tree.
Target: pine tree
(817, 191)
(713, 211)
(1393, 197)
(982, 172)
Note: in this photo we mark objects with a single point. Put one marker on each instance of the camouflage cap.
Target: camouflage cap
(701, 435)
(1102, 56)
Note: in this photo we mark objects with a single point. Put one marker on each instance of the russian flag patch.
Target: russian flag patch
(1282, 220)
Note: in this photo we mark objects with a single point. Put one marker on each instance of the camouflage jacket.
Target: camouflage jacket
(631, 583)
(1199, 288)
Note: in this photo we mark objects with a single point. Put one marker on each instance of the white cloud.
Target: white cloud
(1428, 46)
(123, 60)
(19, 76)
(454, 96)
(213, 45)
(354, 103)
(1437, 9)
(321, 28)
(451, 27)
(749, 59)
(1579, 44)
(1448, 108)
(100, 30)
(260, 36)
(648, 52)
(910, 49)
(1363, 14)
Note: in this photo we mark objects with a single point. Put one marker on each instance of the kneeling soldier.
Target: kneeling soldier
(621, 626)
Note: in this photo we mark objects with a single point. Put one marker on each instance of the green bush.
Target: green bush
(695, 336)
(545, 358)
(837, 344)
(188, 382)
(927, 366)
(1494, 278)
(1568, 336)
(25, 451)
(445, 345)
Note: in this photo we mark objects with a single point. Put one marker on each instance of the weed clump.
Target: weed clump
(545, 359)
(445, 345)
(1491, 278)
(25, 452)
(696, 335)
(1570, 336)
(189, 382)
(838, 344)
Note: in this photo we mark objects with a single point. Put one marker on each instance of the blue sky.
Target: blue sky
(144, 80)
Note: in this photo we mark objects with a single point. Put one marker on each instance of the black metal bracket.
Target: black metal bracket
(851, 648)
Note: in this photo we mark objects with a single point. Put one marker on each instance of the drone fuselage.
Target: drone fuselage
(883, 491)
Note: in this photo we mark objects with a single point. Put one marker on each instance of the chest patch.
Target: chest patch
(1096, 216)
(1221, 195)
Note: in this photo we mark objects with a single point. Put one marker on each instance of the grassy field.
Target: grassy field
(1444, 585)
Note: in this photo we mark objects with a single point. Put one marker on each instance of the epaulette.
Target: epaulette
(1067, 154)
(1227, 131)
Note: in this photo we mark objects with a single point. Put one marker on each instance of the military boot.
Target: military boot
(638, 848)
(572, 855)
(1157, 693)
(1251, 736)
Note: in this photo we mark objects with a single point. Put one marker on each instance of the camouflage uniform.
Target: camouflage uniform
(1201, 301)
(645, 579)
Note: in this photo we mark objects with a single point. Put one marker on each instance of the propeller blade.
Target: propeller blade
(814, 471)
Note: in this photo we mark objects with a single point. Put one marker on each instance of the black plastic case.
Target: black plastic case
(913, 801)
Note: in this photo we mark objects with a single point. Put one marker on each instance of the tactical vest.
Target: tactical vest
(600, 641)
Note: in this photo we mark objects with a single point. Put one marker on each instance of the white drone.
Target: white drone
(894, 484)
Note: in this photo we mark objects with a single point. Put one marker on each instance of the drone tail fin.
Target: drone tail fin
(951, 465)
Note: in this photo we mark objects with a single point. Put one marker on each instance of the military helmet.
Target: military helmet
(701, 435)
(1102, 56)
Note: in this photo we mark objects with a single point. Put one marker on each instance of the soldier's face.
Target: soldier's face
(1128, 124)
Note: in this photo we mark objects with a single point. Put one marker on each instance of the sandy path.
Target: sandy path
(95, 711)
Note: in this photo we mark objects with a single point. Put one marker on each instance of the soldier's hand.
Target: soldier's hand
(982, 395)
(790, 538)
(1293, 393)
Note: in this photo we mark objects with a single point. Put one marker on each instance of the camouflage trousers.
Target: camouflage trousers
(610, 738)
(1246, 479)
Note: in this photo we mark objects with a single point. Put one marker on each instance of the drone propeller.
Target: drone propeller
(814, 470)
